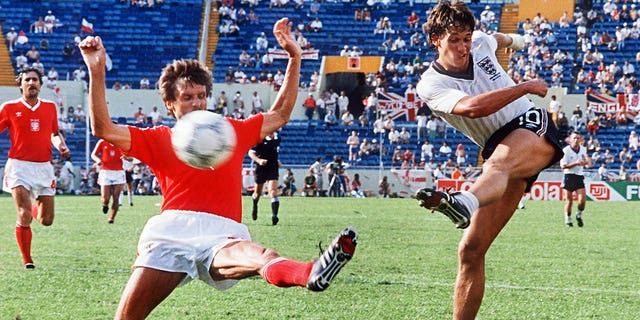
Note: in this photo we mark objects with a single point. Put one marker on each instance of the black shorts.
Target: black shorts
(535, 120)
(264, 174)
(572, 182)
(128, 175)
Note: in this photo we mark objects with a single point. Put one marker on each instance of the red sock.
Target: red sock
(24, 235)
(284, 273)
(34, 211)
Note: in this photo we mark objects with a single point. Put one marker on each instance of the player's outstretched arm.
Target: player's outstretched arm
(282, 107)
(490, 102)
(94, 56)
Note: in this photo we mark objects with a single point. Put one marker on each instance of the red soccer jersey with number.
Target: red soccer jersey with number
(110, 155)
(217, 191)
(30, 128)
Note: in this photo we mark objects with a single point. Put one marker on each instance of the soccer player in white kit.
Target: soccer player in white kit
(572, 164)
(466, 86)
(33, 129)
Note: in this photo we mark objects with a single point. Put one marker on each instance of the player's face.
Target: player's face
(453, 49)
(574, 141)
(189, 97)
(30, 85)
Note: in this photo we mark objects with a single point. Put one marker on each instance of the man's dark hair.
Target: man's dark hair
(188, 69)
(447, 15)
(27, 70)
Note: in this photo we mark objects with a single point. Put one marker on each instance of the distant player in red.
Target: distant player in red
(111, 177)
(199, 233)
(33, 128)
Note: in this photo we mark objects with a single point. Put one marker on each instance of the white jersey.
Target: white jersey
(570, 156)
(441, 90)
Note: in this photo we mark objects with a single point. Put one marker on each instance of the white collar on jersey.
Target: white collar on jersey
(30, 107)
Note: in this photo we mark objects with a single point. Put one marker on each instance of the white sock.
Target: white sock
(567, 217)
(579, 214)
(469, 200)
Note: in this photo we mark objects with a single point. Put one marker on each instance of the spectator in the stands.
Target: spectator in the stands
(44, 44)
(426, 151)
(11, 38)
(461, 155)
(383, 26)
(633, 141)
(144, 83)
(38, 65)
(365, 148)
(347, 118)
(565, 20)
(33, 54)
(625, 155)
(413, 20)
(68, 50)
(330, 119)
(405, 136)
(445, 150)
(315, 25)
(139, 117)
(155, 116)
(38, 26)
(628, 69)
(398, 44)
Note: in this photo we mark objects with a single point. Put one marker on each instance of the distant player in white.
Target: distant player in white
(466, 86)
(572, 164)
(33, 129)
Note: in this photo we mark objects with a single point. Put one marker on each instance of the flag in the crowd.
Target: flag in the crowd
(22, 38)
(108, 62)
(87, 26)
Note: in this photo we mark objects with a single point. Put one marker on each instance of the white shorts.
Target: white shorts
(111, 177)
(38, 177)
(187, 241)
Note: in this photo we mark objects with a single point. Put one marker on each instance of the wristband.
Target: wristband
(517, 42)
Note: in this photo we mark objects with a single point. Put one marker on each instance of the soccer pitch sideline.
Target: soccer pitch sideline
(404, 267)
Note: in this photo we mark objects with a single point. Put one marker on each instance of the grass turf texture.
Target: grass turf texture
(404, 267)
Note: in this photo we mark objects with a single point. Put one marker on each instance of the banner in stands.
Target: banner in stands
(605, 104)
(552, 190)
(410, 181)
(311, 54)
(398, 107)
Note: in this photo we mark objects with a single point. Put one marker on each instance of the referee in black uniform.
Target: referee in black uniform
(265, 155)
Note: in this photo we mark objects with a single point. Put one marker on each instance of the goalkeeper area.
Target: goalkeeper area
(404, 268)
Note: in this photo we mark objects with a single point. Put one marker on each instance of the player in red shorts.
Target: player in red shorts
(111, 177)
(33, 128)
(199, 233)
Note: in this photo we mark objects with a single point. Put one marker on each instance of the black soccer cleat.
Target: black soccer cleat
(327, 266)
(29, 266)
(274, 220)
(105, 209)
(445, 204)
(579, 220)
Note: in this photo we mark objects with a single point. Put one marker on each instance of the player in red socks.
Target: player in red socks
(200, 234)
(33, 129)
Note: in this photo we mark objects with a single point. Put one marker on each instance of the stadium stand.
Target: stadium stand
(143, 40)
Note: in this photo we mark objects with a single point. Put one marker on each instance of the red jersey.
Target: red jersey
(110, 155)
(217, 191)
(30, 128)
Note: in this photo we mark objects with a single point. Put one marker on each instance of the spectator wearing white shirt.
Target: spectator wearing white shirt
(156, 117)
(11, 37)
(445, 150)
(628, 69)
(345, 51)
(262, 43)
(343, 103)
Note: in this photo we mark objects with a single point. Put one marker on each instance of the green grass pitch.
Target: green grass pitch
(404, 267)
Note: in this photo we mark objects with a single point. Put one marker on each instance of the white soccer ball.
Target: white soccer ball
(203, 139)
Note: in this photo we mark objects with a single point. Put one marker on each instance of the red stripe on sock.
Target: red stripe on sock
(287, 273)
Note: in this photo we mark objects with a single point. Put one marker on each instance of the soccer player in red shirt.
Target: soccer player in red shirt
(33, 128)
(111, 177)
(199, 233)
